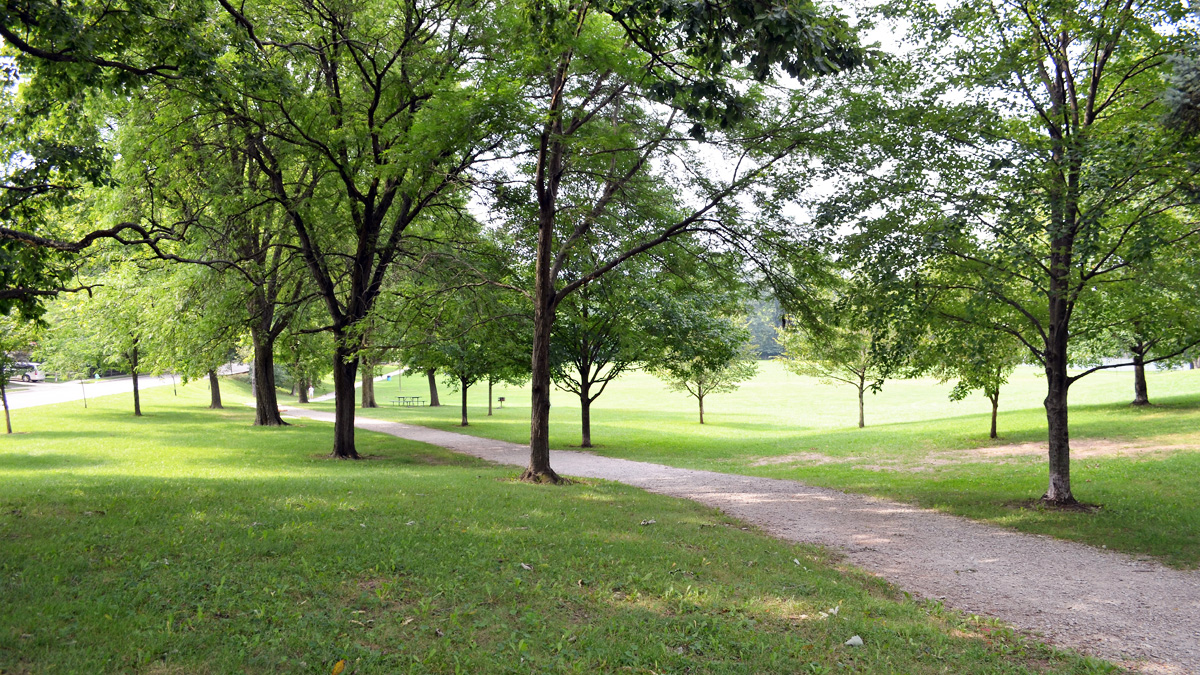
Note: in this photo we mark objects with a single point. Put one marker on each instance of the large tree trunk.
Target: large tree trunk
(368, 384)
(302, 385)
(133, 366)
(994, 397)
(1059, 489)
(462, 384)
(433, 395)
(214, 388)
(345, 367)
(543, 323)
(1140, 396)
(266, 401)
(539, 417)
(585, 414)
(4, 399)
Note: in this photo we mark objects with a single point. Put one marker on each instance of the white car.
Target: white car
(29, 372)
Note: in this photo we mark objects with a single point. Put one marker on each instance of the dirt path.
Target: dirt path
(1100, 602)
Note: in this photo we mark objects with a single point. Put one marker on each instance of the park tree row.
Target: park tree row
(1017, 176)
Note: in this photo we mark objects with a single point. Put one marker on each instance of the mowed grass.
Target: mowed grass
(1140, 465)
(187, 541)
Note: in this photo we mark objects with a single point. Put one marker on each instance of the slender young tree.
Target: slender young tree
(617, 98)
(717, 356)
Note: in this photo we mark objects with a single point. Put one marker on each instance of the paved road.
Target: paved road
(1107, 604)
(47, 393)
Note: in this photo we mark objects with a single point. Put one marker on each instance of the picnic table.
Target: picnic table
(408, 401)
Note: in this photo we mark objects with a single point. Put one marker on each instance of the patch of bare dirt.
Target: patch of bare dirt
(802, 457)
(1080, 448)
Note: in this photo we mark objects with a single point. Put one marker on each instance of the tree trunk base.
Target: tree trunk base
(353, 454)
(1140, 402)
(274, 421)
(1060, 503)
(548, 476)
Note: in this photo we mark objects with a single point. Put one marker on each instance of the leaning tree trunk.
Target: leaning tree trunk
(133, 366)
(463, 386)
(214, 388)
(302, 385)
(433, 396)
(4, 399)
(368, 384)
(994, 397)
(1140, 395)
(266, 400)
(345, 367)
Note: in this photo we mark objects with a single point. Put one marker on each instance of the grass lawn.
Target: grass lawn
(918, 446)
(187, 541)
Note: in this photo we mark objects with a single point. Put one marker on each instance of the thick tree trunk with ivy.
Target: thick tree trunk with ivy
(431, 373)
(214, 389)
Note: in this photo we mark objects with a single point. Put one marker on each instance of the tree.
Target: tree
(978, 360)
(192, 313)
(1148, 322)
(450, 314)
(715, 358)
(111, 327)
(616, 98)
(834, 354)
(16, 336)
(1017, 151)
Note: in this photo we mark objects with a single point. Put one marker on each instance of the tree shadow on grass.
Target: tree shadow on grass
(21, 461)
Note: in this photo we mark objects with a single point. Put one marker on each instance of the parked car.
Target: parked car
(29, 372)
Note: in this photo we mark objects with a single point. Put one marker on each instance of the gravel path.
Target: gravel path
(1100, 602)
